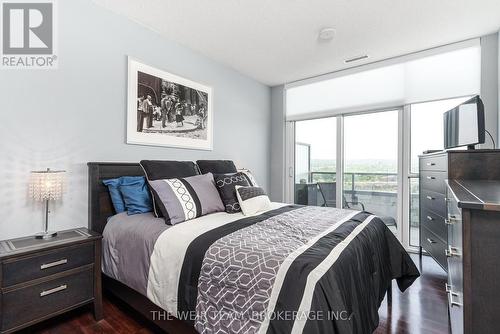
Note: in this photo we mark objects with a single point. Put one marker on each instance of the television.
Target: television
(464, 124)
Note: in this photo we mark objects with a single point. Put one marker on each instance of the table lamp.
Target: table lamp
(46, 186)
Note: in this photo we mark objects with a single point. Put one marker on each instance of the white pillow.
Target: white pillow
(252, 200)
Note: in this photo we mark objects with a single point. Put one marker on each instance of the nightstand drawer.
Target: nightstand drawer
(24, 305)
(43, 264)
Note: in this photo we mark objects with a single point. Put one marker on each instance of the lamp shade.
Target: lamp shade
(46, 185)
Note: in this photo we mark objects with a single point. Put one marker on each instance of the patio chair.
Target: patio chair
(328, 191)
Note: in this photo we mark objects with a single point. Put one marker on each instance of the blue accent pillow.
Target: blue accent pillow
(136, 197)
(114, 192)
(134, 186)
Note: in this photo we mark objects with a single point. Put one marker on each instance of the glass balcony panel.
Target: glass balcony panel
(315, 161)
(371, 164)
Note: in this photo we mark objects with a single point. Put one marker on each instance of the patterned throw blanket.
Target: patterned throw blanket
(293, 269)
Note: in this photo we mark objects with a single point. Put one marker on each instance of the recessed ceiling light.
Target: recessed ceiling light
(357, 58)
(326, 34)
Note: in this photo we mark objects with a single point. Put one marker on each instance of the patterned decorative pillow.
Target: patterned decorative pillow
(166, 169)
(182, 199)
(252, 200)
(226, 184)
(249, 176)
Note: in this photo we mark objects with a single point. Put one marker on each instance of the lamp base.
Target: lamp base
(45, 235)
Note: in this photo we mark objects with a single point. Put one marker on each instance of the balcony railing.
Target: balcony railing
(377, 191)
(366, 181)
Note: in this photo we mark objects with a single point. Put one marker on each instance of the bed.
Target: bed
(292, 269)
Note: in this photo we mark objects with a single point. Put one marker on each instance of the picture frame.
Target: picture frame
(164, 109)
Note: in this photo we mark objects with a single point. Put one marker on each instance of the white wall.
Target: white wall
(489, 85)
(66, 117)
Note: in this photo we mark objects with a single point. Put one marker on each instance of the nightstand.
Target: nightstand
(40, 278)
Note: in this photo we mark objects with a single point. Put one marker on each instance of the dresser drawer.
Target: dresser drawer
(433, 181)
(43, 264)
(24, 305)
(434, 246)
(434, 223)
(434, 163)
(433, 201)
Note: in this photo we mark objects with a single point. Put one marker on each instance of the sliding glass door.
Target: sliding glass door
(371, 159)
(315, 162)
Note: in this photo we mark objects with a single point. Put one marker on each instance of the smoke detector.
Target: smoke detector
(326, 34)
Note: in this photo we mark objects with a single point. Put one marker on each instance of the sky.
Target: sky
(368, 136)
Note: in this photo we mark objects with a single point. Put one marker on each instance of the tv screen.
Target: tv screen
(464, 124)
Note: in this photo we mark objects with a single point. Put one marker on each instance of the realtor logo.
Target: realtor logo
(28, 32)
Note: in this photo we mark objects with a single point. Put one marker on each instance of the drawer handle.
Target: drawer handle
(451, 220)
(429, 240)
(451, 251)
(431, 177)
(431, 164)
(54, 290)
(447, 287)
(53, 264)
(430, 198)
(430, 218)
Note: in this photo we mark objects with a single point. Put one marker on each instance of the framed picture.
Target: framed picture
(167, 110)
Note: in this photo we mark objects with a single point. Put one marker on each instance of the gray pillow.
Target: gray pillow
(182, 199)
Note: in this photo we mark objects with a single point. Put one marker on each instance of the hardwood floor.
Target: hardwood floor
(421, 309)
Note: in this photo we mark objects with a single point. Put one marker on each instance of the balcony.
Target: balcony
(377, 192)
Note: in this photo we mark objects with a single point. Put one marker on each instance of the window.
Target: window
(427, 130)
(358, 133)
(371, 164)
(426, 133)
(315, 161)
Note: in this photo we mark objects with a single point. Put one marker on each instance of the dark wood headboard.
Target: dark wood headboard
(100, 206)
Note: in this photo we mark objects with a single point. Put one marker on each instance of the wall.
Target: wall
(66, 117)
(489, 85)
(277, 144)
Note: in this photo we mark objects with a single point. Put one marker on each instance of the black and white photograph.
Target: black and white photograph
(167, 110)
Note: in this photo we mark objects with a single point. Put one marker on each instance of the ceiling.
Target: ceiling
(276, 41)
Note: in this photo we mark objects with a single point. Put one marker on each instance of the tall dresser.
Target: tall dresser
(435, 169)
(473, 255)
